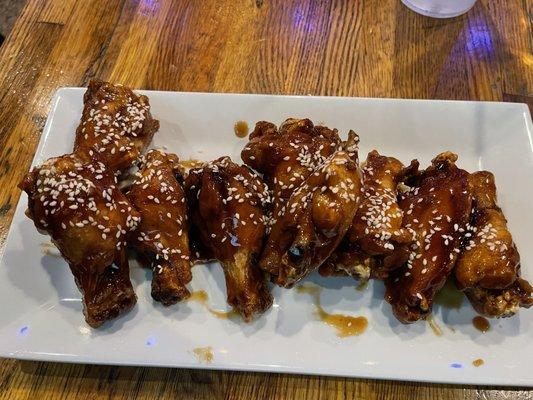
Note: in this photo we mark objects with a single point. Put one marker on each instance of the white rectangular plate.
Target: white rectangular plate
(41, 314)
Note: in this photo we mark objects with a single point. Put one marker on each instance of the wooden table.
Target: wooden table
(374, 48)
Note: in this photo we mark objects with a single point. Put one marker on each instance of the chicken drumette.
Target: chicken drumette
(74, 198)
(227, 204)
(116, 124)
(376, 240)
(436, 209)
(488, 269)
(315, 218)
(286, 157)
(162, 235)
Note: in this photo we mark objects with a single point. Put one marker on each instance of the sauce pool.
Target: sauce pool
(478, 363)
(482, 324)
(241, 129)
(345, 325)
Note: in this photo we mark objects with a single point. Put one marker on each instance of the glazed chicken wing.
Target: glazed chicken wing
(315, 218)
(488, 269)
(376, 240)
(227, 204)
(116, 123)
(286, 157)
(74, 198)
(162, 235)
(436, 209)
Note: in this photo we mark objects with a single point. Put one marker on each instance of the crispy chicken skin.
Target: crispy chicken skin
(437, 210)
(376, 240)
(116, 123)
(162, 235)
(288, 155)
(488, 269)
(74, 198)
(227, 204)
(315, 218)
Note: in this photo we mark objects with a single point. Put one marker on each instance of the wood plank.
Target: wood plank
(56, 12)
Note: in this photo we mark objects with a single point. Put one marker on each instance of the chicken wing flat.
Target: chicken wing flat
(116, 123)
(162, 235)
(200, 254)
(286, 157)
(437, 209)
(315, 218)
(488, 269)
(376, 240)
(227, 204)
(74, 198)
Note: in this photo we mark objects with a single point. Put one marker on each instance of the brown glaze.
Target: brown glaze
(436, 209)
(227, 204)
(116, 123)
(162, 235)
(288, 155)
(488, 270)
(241, 129)
(376, 240)
(346, 325)
(315, 218)
(482, 324)
(75, 199)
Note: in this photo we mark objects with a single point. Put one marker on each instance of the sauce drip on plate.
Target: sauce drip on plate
(204, 354)
(345, 325)
(478, 363)
(202, 297)
(482, 324)
(434, 326)
(241, 129)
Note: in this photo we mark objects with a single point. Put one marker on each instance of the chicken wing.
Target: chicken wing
(436, 209)
(227, 204)
(286, 157)
(315, 218)
(376, 240)
(488, 269)
(116, 123)
(200, 254)
(162, 235)
(74, 198)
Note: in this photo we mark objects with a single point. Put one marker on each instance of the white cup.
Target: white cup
(440, 8)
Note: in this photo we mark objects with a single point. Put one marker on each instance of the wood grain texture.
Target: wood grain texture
(374, 48)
